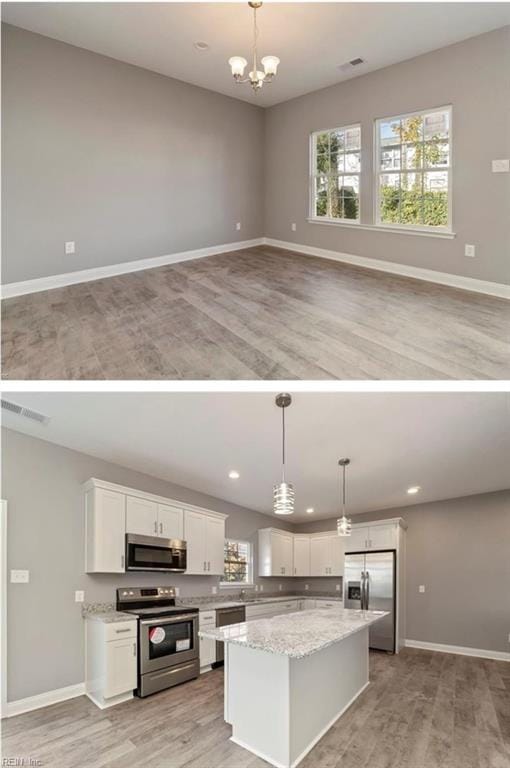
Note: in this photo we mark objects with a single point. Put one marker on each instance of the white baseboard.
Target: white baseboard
(44, 699)
(500, 290)
(459, 649)
(9, 290)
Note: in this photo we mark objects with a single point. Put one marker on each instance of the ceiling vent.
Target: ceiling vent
(27, 413)
(350, 64)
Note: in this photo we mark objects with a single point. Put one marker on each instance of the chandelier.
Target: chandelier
(256, 77)
(283, 493)
(343, 524)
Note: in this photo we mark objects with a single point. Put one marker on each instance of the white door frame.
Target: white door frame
(3, 604)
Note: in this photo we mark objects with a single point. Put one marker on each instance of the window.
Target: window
(335, 174)
(413, 168)
(238, 566)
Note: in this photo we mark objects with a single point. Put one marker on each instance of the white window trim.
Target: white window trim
(237, 584)
(439, 231)
(384, 228)
(312, 174)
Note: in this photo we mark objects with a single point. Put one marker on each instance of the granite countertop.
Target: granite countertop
(218, 604)
(108, 617)
(295, 634)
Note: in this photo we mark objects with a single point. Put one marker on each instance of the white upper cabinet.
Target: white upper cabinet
(326, 554)
(105, 525)
(205, 537)
(112, 510)
(276, 552)
(170, 521)
(301, 555)
(141, 516)
(374, 536)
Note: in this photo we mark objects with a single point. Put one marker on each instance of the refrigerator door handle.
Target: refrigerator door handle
(362, 590)
(367, 590)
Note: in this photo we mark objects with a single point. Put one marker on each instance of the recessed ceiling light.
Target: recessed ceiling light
(200, 45)
(234, 474)
(414, 489)
(310, 511)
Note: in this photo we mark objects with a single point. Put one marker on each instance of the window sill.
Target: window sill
(383, 228)
(235, 584)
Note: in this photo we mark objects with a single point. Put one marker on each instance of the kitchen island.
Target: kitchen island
(290, 677)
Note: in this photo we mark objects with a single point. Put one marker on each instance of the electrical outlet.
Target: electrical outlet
(214, 590)
(470, 250)
(280, 587)
(500, 166)
(293, 226)
(177, 591)
(337, 587)
(20, 577)
(421, 588)
(79, 596)
(70, 247)
(307, 587)
(261, 587)
(238, 226)
(256, 587)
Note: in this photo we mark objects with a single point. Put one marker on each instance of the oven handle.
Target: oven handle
(176, 620)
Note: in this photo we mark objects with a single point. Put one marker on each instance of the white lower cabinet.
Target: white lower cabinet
(207, 648)
(111, 661)
(266, 610)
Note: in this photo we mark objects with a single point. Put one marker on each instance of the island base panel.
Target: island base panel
(279, 707)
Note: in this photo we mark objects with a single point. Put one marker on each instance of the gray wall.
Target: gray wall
(41, 483)
(473, 77)
(459, 549)
(128, 163)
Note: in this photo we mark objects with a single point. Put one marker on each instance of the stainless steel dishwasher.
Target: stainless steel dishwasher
(224, 617)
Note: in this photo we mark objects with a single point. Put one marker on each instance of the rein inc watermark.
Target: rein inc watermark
(21, 762)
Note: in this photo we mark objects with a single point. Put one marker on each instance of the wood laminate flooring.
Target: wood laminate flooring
(421, 710)
(260, 313)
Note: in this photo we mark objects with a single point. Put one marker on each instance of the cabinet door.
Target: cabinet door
(319, 556)
(141, 516)
(214, 545)
(382, 536)
(358, 540)
(309, 604)
(120, 667)
(281, 553)
(106, 534)
(336, 555)
(207, 652)
(301, 556)
(170, 522)
(194, 534)
(288, 554)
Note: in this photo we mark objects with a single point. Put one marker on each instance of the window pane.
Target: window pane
(352, 163)
(412, 155)
(389, 132)
(321, 196)
(390, 159)
(337, 211)
(436, 125)
(352, 139)
(349, 183)
(322, 143)
(437, 154)
(411, 199)
(411, 129)
(322, 163)
(389, 197)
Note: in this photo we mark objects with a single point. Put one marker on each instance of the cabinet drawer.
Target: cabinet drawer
(120, 630)
(328, 604)
(207, 618)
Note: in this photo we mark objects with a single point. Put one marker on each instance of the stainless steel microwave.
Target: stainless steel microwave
(151, 553)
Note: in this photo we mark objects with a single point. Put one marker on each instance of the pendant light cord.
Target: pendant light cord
(343, 493)
(255, 36)
(283, 444)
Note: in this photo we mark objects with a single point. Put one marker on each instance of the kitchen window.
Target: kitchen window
(335, 174)
(413, 171)
(237, 563)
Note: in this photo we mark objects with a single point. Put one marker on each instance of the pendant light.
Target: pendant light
(256, 78)
(343, 524)
(283, 493)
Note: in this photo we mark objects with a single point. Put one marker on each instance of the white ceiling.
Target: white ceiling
(312, 39)
(450, 444)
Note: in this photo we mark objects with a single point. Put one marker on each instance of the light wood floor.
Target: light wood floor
(261, 313)
(422, 710)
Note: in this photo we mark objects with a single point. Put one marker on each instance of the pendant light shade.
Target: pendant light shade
(343, 524)
(283, 493)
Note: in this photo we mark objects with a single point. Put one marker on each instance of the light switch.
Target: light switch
(337, 587)
(79, 596)
(20, 577)
(500, 166)
(421, 588)
(214, 590)
(261, 587)
(70, 247)
(238, 226)
(470, 250)
(293, 226)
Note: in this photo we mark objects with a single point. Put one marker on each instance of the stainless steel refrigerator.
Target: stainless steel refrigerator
(369, 584)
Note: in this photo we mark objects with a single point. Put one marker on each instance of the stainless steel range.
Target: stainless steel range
(168, 651)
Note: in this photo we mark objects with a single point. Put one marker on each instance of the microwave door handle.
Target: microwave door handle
(176, 620)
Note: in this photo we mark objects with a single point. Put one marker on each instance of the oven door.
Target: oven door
(150, 553)
(168, 641)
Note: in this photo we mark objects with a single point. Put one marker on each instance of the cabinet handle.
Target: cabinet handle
(205, 566)
(122, 562)
(120, 631)
(155, 526)
(134, 649)
(161, 527)
(208, 565)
